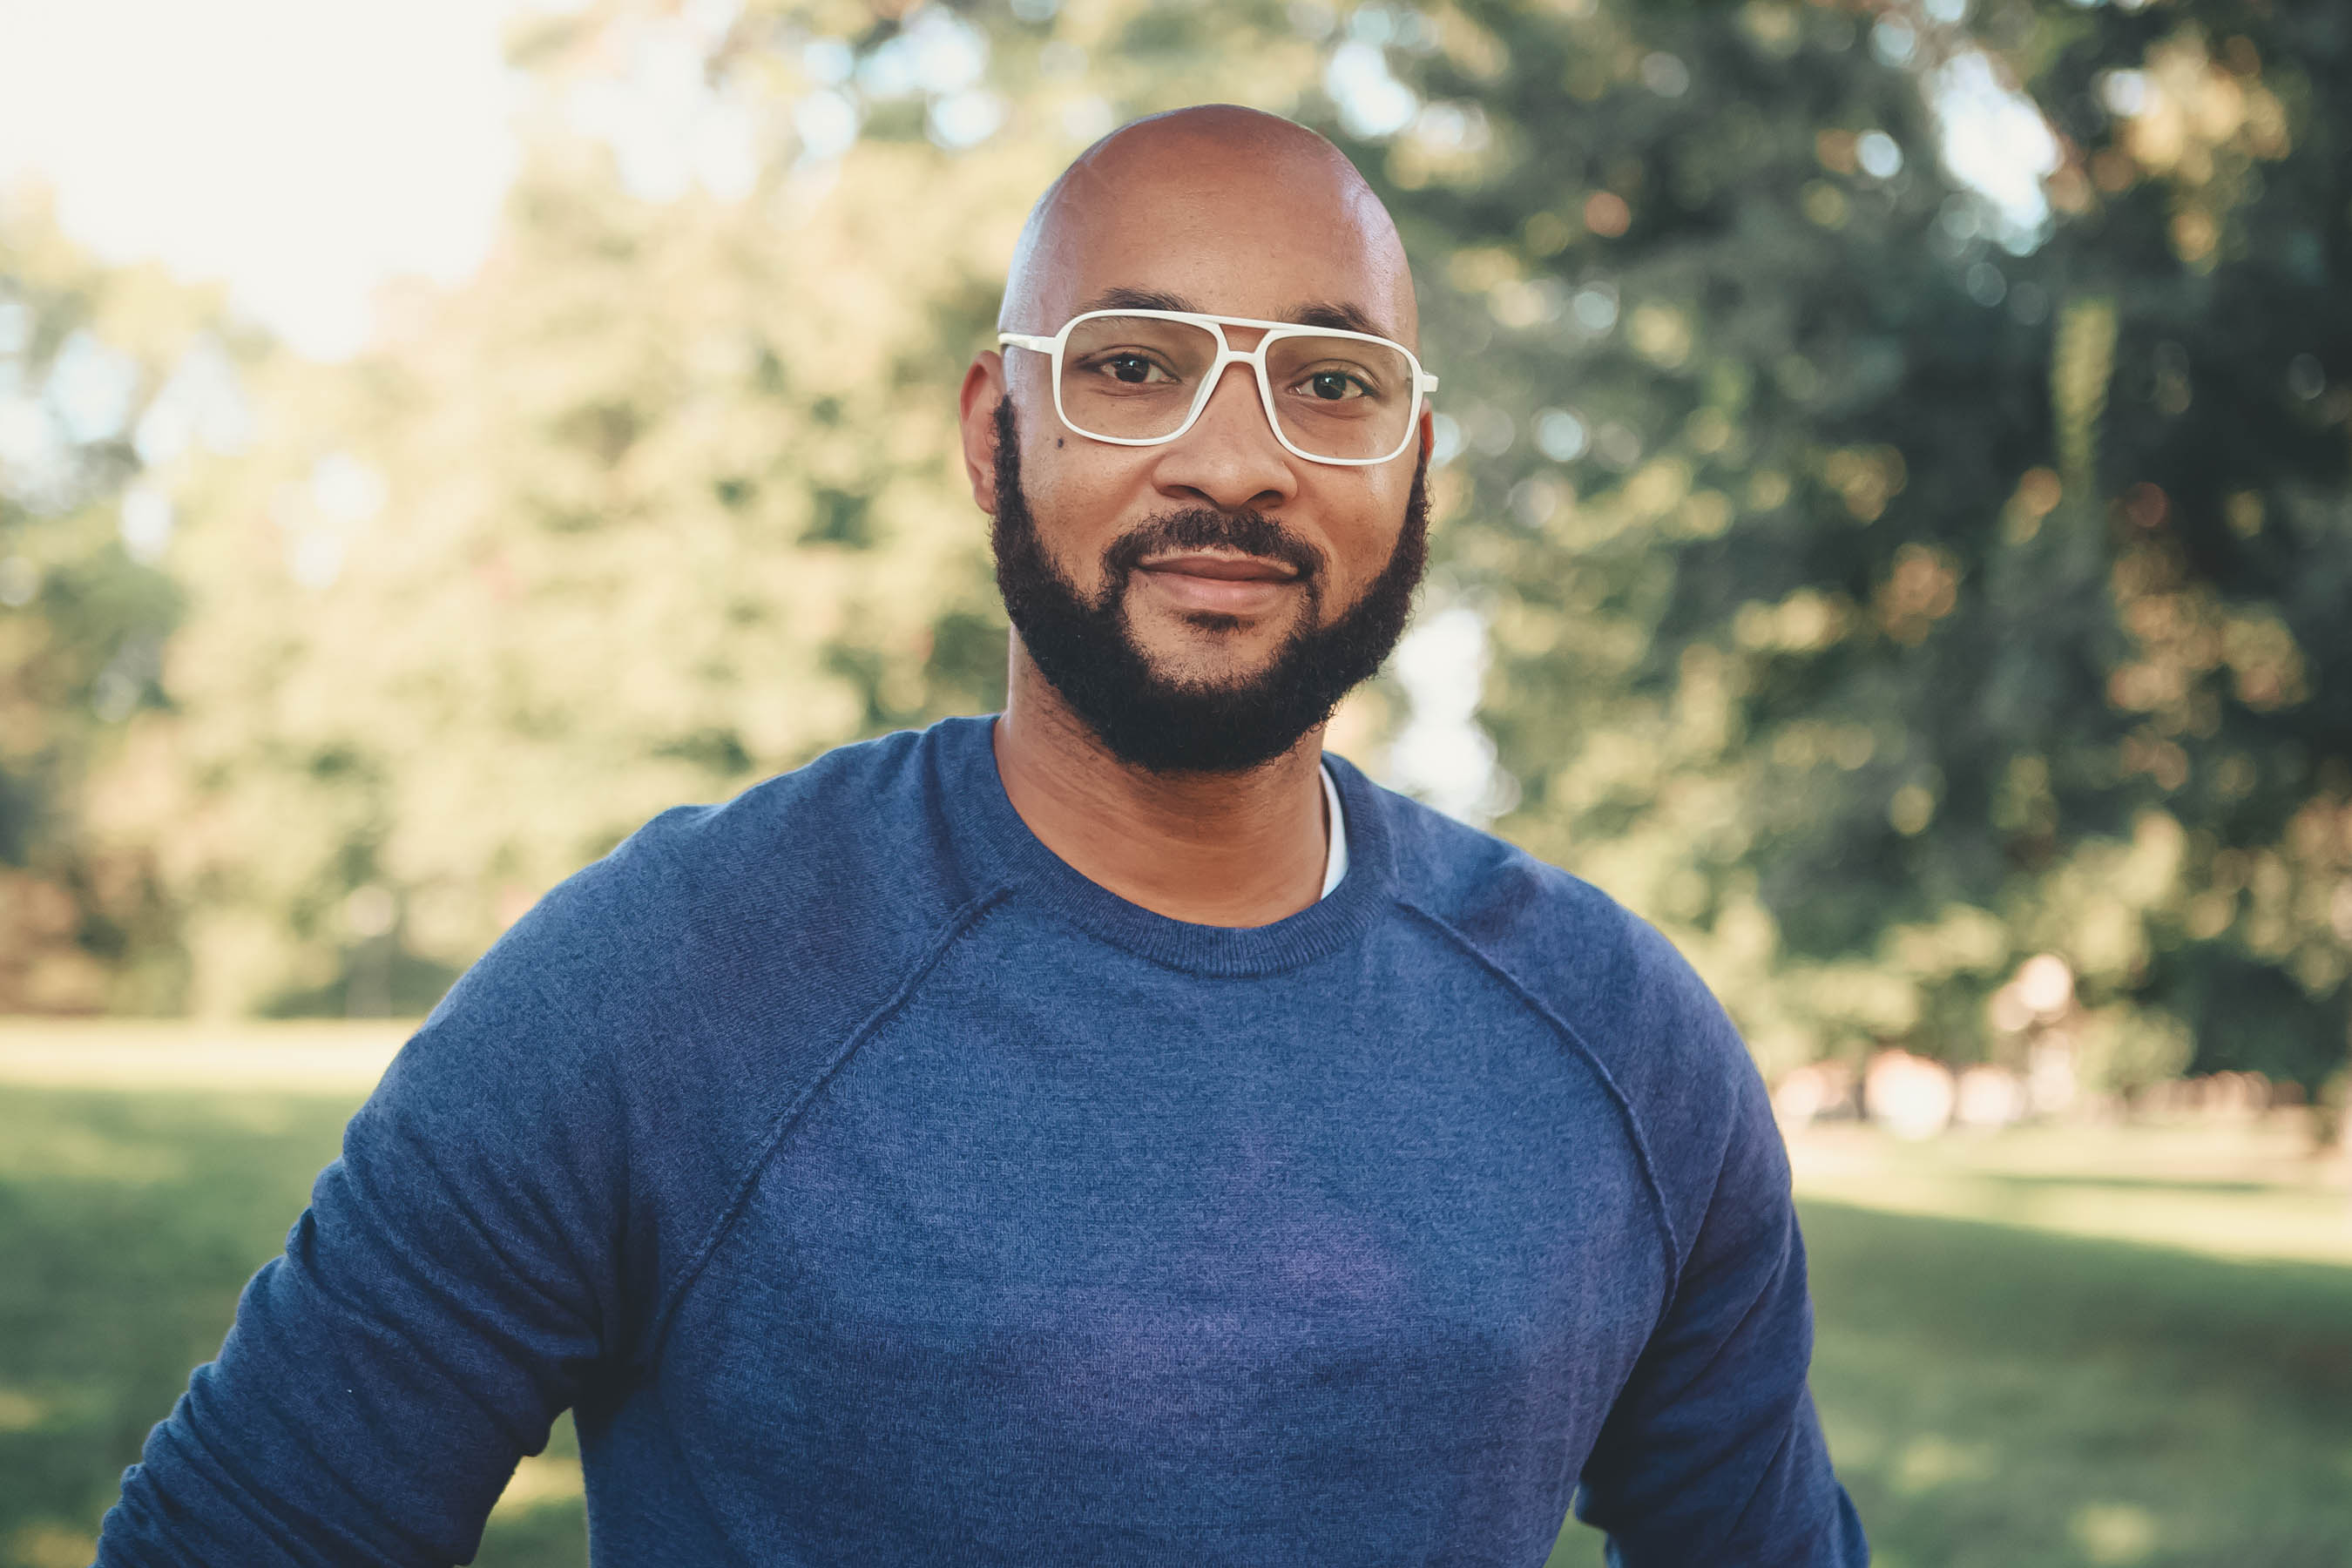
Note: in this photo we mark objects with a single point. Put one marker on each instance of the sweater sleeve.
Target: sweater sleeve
(453, 1282)
(1713, 1453)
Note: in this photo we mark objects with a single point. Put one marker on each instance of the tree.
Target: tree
(664, 500)
(107, 377)
(1890, 578)
(1879, 606)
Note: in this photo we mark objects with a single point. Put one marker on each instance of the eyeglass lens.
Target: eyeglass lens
(1136, 378)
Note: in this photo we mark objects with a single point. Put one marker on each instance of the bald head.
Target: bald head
(1215, 208)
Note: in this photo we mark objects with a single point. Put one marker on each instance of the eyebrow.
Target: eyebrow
(1340, 315)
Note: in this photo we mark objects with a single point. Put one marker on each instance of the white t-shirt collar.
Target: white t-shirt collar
(1335, 860)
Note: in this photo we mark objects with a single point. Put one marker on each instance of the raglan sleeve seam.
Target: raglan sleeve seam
(1636, 1132)
(957, 926)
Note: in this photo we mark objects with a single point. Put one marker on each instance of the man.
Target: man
(1110, 1133)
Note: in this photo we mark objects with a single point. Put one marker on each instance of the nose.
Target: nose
(1229, 458)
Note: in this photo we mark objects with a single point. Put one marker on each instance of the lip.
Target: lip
(1219, 567)
(1206, 584)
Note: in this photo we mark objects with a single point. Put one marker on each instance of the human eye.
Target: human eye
(1332, 383)
(1331, 387)
(1130, 366)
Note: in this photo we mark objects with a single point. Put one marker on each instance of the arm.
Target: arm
(452, 1284)
(1712, 1454)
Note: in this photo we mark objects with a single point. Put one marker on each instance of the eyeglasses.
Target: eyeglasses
(1139, 378)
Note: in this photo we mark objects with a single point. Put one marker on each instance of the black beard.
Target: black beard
(1088, 653)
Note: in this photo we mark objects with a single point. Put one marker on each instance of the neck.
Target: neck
(1223, 849)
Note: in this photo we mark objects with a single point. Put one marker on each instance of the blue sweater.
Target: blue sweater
(878, 1190)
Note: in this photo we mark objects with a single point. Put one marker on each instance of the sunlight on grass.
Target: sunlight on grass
(305, 1056)
(1934, 1460)
(49, 1545)
(20, 1412)
(539, 1481)
(2113, 1532)
(2246, 1190)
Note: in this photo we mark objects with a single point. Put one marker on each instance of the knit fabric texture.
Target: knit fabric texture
(876, 1189)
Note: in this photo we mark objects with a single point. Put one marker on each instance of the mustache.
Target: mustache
(1206, 528)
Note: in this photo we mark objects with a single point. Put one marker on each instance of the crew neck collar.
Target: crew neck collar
(992, 839)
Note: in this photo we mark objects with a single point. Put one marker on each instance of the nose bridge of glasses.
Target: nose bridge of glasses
(1241, 337)
(1235, 376)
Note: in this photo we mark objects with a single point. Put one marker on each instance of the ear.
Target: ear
(1428, 428)
(983, 389)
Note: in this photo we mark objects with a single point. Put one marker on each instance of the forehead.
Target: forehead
(1270, 238)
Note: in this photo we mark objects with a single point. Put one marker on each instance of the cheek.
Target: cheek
(1365, 520)
(1080, 505)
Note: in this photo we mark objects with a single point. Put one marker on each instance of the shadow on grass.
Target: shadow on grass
(2001, 1397)
(1995, 1397)
(2004, 1397)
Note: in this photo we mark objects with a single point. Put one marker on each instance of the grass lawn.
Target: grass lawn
(2003, 1386)
(129, 1223)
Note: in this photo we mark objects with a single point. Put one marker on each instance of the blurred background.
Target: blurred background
(1894, 532)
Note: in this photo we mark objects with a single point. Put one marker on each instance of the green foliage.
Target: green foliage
(1886, 580)
(1882, 586)
(102, 375)
(665, 500)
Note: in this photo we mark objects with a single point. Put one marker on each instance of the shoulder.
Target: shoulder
(845, 855)
(855, 817)
(668, 1006)
(1578, 951)
(720, 947)
(1615, 988)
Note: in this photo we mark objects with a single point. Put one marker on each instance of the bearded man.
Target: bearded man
(1108, 1132)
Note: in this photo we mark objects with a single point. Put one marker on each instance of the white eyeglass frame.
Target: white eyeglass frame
(1423, 382)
